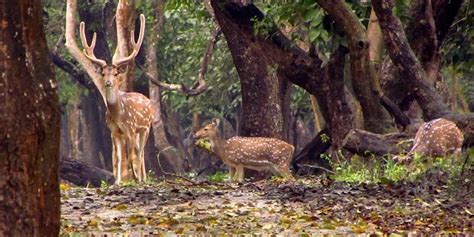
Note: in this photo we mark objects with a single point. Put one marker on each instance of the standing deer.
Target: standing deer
(257, 153)
(129, 114)
(438, 137)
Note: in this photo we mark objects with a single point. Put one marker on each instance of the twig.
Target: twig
(465, 162)
(168, 173)
(316, 167)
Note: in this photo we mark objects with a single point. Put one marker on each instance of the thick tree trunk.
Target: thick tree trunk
(430, 21)
(29, 125)
(265, 95)
(404, 59)
(364, 79)
(341, 117)
(288, 61)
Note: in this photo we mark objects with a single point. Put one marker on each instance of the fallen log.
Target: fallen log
(365, 143)
(83, 174)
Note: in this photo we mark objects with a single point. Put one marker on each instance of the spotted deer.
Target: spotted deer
(439, 137)
(256, 153)
(129, 114)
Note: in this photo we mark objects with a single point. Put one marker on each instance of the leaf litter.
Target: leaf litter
(307, 206)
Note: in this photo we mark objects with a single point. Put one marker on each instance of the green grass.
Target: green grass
(385, 170)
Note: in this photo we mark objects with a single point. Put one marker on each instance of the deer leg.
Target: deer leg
(132, 155)
(118, 148)
(285, 172)
(240, 173)
(143, 137)
(114, 157)
(231, 173)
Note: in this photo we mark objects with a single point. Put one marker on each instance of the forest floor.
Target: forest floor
(310, 205)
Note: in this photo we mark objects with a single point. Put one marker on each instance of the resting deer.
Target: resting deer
(129, 114)
(257, 153)
(439, 137)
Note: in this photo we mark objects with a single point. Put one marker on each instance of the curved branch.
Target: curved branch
(200, 85)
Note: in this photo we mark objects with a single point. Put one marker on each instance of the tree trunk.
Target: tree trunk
(365, 81)
(269, 62)
(404, 59)
(341, 117)
(265, 95)
(425, 38)
(169, 157)
(29, 125)
(374, 34)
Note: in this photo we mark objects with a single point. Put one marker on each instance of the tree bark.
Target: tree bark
(425, 38)
(404, 59)
(364, 79)
(290, 62)
(168, 156)
(341, 117)
(265, 94)
(29, 125)
(374, 34)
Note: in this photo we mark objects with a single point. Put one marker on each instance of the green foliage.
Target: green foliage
(372, 170)
(204, 144)
(324, 138)
(184, 40)
(218, 177)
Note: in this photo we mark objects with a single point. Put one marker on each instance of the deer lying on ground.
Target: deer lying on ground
(439, 137)
(257, 153)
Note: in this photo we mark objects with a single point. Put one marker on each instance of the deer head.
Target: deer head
(110, 73)
(208, 131)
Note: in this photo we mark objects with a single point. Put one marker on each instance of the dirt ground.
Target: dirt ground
(307, 206)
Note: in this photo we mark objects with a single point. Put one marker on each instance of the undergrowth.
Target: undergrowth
(385, 170)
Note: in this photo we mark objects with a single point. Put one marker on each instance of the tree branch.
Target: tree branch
(71, 45)
(200, 85)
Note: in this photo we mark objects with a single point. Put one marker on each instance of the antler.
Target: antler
(136, 45)
(89, 49)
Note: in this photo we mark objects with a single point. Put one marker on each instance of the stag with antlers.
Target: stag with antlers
(129, 114)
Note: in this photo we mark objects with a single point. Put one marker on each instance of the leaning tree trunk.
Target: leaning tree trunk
(426, 30)
(29, 125)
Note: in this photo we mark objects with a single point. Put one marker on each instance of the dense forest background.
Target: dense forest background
(179, 36)
(348, 83)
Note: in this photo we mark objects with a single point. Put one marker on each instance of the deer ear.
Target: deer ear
(215, 122)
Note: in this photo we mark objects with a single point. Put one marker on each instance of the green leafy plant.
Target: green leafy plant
(218, 177)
